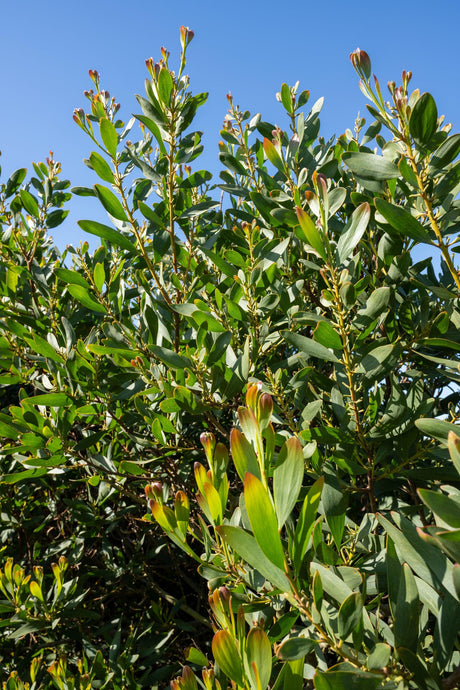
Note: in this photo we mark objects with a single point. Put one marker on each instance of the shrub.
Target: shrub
(329, 544)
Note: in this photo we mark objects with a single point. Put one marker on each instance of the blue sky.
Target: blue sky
(247, 48)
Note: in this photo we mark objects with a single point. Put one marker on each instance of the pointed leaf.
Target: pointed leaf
(446, 153)
(85, 299)
(309, 232)
(444, 507)
(437, 428)
(107, 233)
(335, 503)
(246, 546)
(110, 202)
(309, 346)
(50, 400)
(263, 519)
(402, 221)
(170, 357)
(428, 562)
(101, 167)
(353, 232)
(287, 479)
(306, 522)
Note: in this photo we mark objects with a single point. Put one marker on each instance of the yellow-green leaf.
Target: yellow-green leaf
(263, 519)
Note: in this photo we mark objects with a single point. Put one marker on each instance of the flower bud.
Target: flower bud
(362, 63)
(186, 36)
(265, 409)
(154, 490)
(94, 76)
(208, 441)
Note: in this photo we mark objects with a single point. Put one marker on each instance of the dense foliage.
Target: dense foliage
(286, 314)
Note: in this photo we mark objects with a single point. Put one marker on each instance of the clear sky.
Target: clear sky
(248, 48)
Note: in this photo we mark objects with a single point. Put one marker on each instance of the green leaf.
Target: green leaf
(406, 612)
(246, 546)
(50, 400)
(107, 233)
(287, 479)
(308, 232)
(263, 520)
(402, 221)
(350, 615)
(444, 507)
(437, 428)
(68, 276)
(20, 476)
(29, 202)
(227, 656)
(352, 233)
(295, 648)
(446, 153)
(456, 579)
(332, 583)
(194, 656)
(109, 137)
(110, 202)
(423, 120)
(99, 276)
(85, 299)
(326, 335)
(232, 163)
(417, 666)
(428, 562)
(55, 218)
(170, 357)
(42, 347)
(309, 346)
(335, 502)
(347, 680)
(165, 85)
(379, 657)
(285, 94)
(370, 166)
(378, 361)
(101, 167)
(259, 653)
(199, 209)
(305, 523)
(14, 182)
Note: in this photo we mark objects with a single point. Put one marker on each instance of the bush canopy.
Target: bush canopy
(230, 453)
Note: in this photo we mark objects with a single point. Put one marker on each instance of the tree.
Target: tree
(281, 313)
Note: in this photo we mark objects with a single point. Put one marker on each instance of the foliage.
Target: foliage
(295, 286)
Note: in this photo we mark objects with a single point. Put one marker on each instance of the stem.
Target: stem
(431, 217)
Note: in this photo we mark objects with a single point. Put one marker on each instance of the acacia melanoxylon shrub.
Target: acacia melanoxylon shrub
(278, 313)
